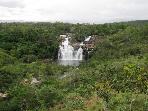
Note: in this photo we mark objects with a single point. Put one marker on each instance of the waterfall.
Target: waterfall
(67, 55)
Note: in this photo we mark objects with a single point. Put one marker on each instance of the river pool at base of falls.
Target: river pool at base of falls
(69, 62)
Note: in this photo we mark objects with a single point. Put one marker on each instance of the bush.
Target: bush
(21, 98)
(128, 102)
(73, 102)
(48, 95)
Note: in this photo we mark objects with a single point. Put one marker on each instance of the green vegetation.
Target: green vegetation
(115, 78)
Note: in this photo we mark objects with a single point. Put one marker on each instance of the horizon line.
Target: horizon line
(74, 22)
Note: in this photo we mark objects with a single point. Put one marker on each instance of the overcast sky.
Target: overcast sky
(83, 11)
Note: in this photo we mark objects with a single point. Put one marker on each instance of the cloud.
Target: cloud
(11, 4)
(84, 11)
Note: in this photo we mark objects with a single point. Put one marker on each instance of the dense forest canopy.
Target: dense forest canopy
(31, 41)
(115, 77)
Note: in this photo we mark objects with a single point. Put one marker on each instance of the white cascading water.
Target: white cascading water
(67, 55)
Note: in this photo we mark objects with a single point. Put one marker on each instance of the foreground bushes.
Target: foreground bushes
(30, 97)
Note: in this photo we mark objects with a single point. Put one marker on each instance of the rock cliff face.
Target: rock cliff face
(76, 51)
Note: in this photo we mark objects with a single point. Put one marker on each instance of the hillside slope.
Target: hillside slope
(115, 78)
